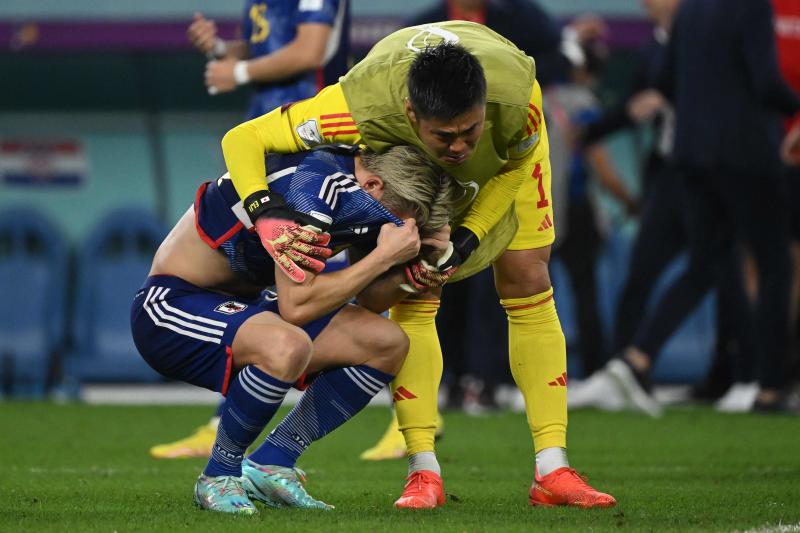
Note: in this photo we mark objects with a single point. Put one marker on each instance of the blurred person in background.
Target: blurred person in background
(571, 108)
(661, 235)
(469, 308)
(787, 31)
(721, 71)
(201, 317)
(288, 50)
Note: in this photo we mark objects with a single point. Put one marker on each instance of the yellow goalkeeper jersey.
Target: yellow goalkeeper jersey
(366, 107)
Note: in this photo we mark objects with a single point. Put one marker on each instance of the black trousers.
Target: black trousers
(723, 209)
(660, 240)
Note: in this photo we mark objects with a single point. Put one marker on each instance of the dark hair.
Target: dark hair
(445, 81)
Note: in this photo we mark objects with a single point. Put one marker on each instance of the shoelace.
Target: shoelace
(229, 485)
(580, 479)
(415, 480)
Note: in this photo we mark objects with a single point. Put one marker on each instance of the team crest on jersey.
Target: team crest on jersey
(430, 35)
(230, 308)
(308, 131)
(527, 143)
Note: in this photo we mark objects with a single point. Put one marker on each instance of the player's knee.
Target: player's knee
(390, 347)
(284, 353)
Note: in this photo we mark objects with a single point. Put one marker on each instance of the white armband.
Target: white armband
(240, 73)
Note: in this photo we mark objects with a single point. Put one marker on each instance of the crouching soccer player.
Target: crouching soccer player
(200, 318)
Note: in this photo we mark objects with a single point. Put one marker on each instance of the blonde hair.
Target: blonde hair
(413, 183)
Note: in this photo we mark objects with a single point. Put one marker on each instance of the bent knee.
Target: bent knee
(390, 347)
(282, 351)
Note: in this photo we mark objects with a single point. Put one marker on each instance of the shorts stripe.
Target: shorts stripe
(184, 314)
(157, 301)
(172, 327)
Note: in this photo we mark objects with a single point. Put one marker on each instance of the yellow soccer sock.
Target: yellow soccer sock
(538, 357)
(415, 389)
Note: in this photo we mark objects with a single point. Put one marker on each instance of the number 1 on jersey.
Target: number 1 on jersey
(537, 175)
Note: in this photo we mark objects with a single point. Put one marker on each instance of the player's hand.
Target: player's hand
(202, 33)
(644, 105)
(790, 147)
(293, 247)
(422, 276)
(589, 28)
(398, 244)
(219, 76)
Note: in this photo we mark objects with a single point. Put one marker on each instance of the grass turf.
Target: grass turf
(86, 468)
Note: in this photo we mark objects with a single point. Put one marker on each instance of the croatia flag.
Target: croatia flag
(42, 163)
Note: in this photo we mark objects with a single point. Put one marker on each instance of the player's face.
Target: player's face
(451, 141)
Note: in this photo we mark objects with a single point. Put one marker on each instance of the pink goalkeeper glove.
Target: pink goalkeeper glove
(293, 247)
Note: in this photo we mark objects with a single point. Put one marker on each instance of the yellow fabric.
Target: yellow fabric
(372, 95)
(497, 195)
(538, 358)
(324, 118)
(420, 375)
(534, 203)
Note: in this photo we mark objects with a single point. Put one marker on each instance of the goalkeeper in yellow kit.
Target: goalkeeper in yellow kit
(470, 100)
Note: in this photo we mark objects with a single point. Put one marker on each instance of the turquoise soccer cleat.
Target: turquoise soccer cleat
(278, 486)
(224, 494)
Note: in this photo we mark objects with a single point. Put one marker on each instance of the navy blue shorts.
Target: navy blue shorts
(186, 332)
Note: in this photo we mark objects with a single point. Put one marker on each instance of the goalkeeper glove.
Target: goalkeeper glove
(290, 244)
(421, 275)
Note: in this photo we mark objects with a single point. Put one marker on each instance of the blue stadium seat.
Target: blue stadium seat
(33, 276)
(112, 265)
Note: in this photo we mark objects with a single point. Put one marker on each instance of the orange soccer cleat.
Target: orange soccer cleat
(424, 490)
(565, 486)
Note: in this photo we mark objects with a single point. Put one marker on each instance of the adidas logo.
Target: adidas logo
(546, 223)
(403, 393)
(560, 381)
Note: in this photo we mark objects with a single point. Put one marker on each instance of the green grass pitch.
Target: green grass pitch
(86, 468)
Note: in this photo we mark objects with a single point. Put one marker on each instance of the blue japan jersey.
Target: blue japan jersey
(320, 184)
(270, 25)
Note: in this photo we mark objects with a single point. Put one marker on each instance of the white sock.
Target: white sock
(551, 459)
(423, 461)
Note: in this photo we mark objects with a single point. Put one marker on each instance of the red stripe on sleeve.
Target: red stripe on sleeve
(336, 115)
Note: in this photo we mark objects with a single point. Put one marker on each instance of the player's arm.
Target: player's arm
(418, 276)
(292, 128)
(606, 173)
(325, 118)
(299, 303)
(304, 53)
(202, 33)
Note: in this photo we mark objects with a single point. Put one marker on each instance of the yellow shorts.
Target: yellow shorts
(534, 205)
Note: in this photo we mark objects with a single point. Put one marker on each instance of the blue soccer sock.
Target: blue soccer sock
(331, 400)
(253, 398)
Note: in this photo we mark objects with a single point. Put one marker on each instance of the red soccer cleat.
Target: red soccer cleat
(424, 490)
(565, 486)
